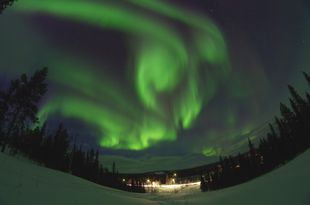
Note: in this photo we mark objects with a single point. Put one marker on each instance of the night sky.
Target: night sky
(144, 77)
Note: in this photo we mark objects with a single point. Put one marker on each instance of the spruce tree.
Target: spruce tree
(21, 102)
(60, 147)
(307, 77)
(308, 98)
(113, 168)
(294, 107)
(300, 102)
(273, 134)
(286, 113)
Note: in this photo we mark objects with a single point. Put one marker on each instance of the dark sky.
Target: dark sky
(160, 77)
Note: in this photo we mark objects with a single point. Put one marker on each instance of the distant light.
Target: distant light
(175, 174)
(148, 181)
(167, 187)
(124, 180)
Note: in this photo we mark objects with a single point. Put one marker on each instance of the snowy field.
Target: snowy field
(24, 183)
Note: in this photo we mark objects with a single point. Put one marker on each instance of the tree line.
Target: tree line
(287, 138)
(21, 134)
(5, 3)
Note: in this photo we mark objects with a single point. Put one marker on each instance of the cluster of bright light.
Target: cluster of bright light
(169, 187)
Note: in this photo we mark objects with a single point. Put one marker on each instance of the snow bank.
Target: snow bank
(24, 183)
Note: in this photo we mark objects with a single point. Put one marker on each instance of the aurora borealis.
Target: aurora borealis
(149, 76)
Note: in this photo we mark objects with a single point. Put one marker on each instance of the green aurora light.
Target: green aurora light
(174, 77)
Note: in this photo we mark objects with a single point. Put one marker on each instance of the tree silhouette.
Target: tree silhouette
(20, 102)
(5, 3)
(113, 168)
(287, 114)
(307, 77)
(300, 102)
(308, 98)
(5, 99)
(60, 148)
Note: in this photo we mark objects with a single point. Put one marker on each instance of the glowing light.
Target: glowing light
(210, 151)
(172, 187)
(174, 77)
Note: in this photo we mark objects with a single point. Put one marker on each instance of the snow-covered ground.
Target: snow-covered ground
(24, 183)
